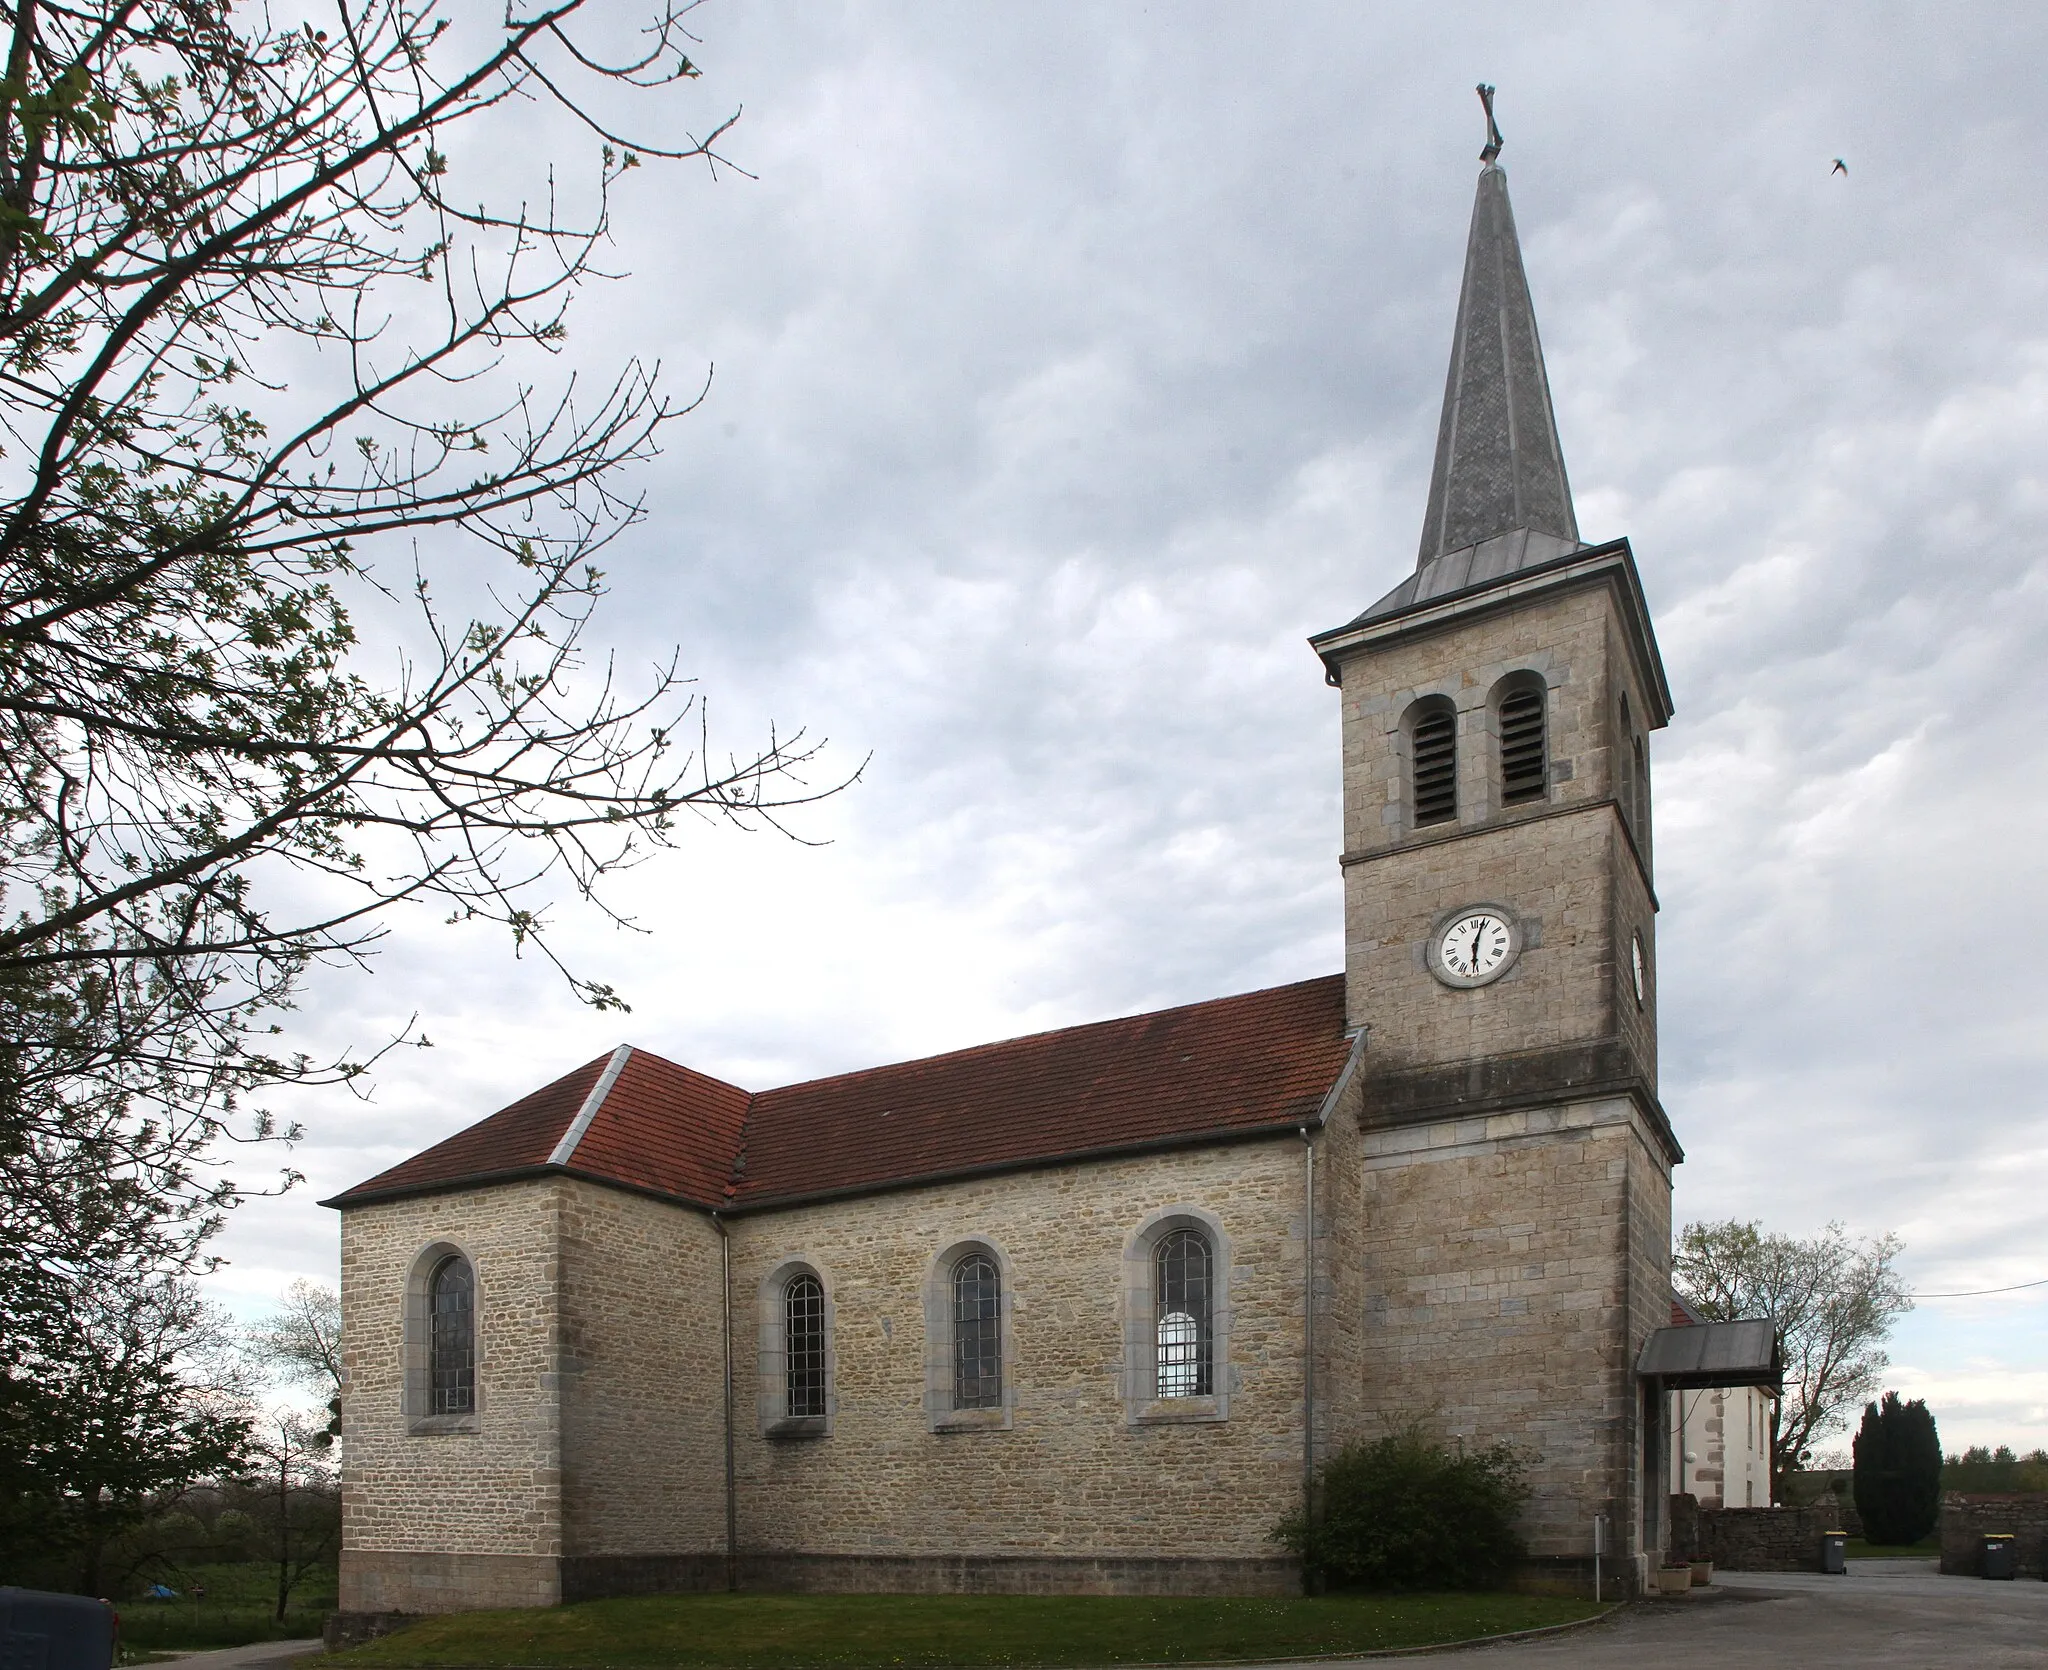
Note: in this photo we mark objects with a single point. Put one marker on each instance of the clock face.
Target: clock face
(1635, 960)
(1473, 948)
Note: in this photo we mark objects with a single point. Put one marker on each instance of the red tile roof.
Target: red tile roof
(666, 1129)
(1208, 1071)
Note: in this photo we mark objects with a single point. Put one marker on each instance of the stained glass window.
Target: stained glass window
(977, 1334)
(451, 1370)
(1184, 1332)
(803, 1316)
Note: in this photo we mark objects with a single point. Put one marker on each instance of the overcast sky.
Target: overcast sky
(1074, 362)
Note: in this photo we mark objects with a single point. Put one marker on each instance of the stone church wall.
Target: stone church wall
(452, 1518)
(1341, 1407)
(1511, 1265)
(642, 1377)
(1634, 905)
(1562, 867)
(1642, 1440)
(1074, 1485)
(1563, 637)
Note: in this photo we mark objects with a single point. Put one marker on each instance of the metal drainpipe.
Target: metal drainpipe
(1308, 1325)
(732, 1539)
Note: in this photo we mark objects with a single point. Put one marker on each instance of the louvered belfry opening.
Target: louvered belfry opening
(1435, 766)
(1522, 768)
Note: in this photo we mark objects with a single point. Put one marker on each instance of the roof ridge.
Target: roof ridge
(565, 1148)
(1046, 1032)
(660, 1060)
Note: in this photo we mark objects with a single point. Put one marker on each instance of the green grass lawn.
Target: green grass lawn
(240, 1602)
(1925, 1549)
(780, 1632)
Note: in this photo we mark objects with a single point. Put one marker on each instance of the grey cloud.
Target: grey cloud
(1074, 363)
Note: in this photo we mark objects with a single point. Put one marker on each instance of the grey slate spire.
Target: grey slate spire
(1499, 468)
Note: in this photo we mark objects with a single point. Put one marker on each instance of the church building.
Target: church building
(1084, 1311)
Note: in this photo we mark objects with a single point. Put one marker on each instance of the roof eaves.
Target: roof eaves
(438, 1186)
(1613, 563)
(517, 1174)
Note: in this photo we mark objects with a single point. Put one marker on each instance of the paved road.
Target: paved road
(1883, 1615)
(259, 1655)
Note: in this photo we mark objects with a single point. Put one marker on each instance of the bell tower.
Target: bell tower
(1500, 949)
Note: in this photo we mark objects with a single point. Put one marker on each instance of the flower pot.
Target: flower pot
(1702, 1573)
(1673, 1580)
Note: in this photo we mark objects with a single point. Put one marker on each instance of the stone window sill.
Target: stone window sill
(972, 1420)
(1179, 1411)
(441, 1426)
(797, 1426)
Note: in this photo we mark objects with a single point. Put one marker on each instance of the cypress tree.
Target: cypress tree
(1898, 1471)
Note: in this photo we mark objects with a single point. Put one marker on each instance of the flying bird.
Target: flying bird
(1840, 167)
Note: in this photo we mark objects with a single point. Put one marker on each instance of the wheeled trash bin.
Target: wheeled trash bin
(1834, 1552)
(1998, 1554)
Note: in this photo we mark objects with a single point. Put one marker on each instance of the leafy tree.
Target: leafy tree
(258, 324)
(1833, 1299)
(301, 510)
(1406, 1511)
(300, 1343)
(116, 1396)
(300, 1504)
(1981, 1467)
(1897, 1472)
(118, 1386)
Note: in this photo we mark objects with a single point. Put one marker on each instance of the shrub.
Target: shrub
(1898, 1472)
(235, 1536)
(1406, 1511)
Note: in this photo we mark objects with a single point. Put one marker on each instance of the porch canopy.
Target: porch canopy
(1704, 1354)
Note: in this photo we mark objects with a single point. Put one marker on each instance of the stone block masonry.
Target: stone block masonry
(595, 1463)
(1079, 1481)
(433, 1520)
(1512, 1269)
(1572, 868)
(1967, 1518)
(1751, 1539)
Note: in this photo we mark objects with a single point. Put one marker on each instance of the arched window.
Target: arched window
(451, 1347)
(803, 1334)
(1433, 763)
(1524, 767)
(977, 1333)
(1185, 1323)
(1640, 749)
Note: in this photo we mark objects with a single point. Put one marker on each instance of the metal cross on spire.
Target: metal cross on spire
(1493, 138)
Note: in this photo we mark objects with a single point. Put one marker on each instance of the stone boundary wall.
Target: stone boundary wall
(1966, 1517)
(1751, 1539)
